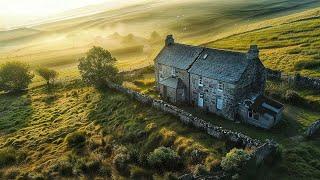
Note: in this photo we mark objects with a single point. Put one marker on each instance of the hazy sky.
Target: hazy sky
(15, 12)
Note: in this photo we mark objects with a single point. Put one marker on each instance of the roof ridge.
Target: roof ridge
(208, 48)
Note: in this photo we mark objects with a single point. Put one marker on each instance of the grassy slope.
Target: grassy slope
(283, 45)
(37, 123)
(59, 44)
(299, 156)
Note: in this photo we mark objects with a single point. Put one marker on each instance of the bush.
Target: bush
(139, 173)
(164, 158)
(15, 76)
(90, 167)
(64, 168)
(293, 97)
(200, 170)
(170, 176)
(121, 160)
(235, 160)
(213, 164)
(76, 140)
(7, 157)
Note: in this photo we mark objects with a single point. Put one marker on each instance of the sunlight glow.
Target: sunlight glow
(21, 12)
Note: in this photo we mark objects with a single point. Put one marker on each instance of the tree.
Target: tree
(98, 67)
(47, 74)
(15, 76)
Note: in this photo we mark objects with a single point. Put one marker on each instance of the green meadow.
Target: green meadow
(38, 127)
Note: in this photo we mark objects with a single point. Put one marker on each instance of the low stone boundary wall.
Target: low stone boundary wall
(313, 129)
(262, 149)
(296, 80)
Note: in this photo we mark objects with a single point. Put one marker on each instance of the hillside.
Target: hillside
(59, 43)
(291, 46)
(35, 125)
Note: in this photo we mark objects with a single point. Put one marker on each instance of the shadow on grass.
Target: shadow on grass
(127, 121)
(287, 128)
(15, 111)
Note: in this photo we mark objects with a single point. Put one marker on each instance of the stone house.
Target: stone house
(230, 84)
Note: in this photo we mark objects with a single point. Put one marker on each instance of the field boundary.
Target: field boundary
(262, 150)
(296, 80)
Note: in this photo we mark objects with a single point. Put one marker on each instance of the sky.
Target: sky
(19, 12)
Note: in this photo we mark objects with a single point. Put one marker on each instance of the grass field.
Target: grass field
(299, 155)
(126, 32)
(36, 124)
(290, 47)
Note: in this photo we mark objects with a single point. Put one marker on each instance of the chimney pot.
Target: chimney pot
(169, 40)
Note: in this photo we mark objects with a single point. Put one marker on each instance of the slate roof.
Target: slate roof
(179, 55)
(226, 66)
(263, 104)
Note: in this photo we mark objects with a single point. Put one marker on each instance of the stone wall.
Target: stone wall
(313, 129)
(307, 82)
(188, 118)
(297, 80)
(262, 149)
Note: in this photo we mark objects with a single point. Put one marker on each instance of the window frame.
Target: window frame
(219, 103)
(200, 82)
(173, 72)
(220, 87)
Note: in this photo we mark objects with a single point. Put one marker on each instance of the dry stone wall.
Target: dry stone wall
(262, 149)
(297, 80)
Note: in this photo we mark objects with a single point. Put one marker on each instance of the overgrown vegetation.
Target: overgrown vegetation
(15, 76)
(91, 133)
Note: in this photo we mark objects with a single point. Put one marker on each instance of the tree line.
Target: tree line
(96, 68)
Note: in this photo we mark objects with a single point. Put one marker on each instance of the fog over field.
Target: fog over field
(134, 33)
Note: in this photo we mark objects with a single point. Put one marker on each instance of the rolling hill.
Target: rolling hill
(291, 46)
(191, 21)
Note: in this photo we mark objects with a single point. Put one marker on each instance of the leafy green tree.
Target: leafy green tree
(98, 67)
(15, 76)
(47, 74)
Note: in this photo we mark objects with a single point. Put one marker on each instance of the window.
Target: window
(200, 82)
(250, 114)
(256, 116)
(173, 72)
(219, 103)
(220, 87)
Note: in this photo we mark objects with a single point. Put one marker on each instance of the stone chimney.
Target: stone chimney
(169, 40)
(253, 52)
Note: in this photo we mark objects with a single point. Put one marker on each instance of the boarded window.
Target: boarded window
(219, 103)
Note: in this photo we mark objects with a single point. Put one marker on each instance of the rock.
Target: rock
(313, 129)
